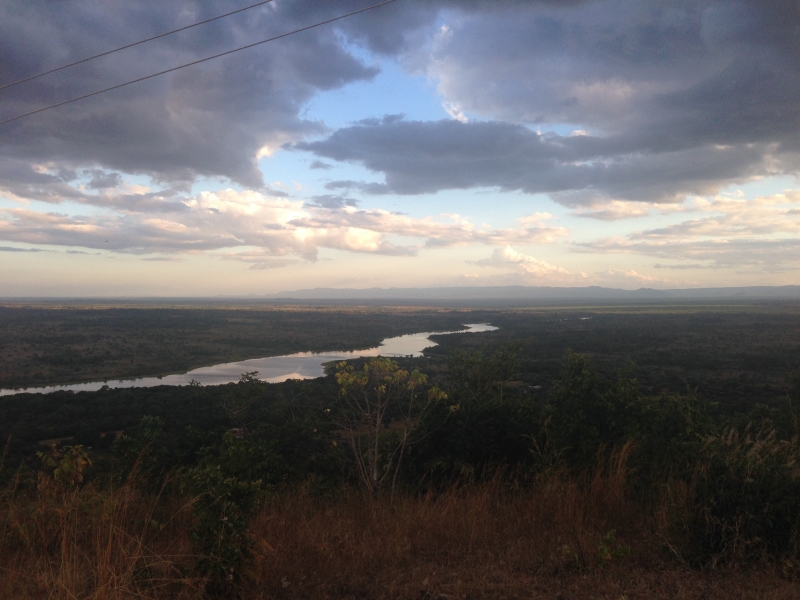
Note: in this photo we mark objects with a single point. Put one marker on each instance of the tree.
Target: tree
(587, 413)
(238, 405)
(378, 413)
(486, 423)
(478, 378)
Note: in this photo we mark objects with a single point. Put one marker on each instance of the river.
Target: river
(274, 369)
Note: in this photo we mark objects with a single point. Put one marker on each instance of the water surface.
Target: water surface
(274, 369)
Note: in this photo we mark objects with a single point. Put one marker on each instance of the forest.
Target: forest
(46, 343)
(582, 452)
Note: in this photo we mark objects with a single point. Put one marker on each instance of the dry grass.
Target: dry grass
(487, 541)
(105, 545)
(493, 540)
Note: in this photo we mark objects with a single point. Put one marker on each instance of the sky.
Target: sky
(625, 143)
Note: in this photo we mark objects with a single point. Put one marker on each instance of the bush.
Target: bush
(221, 511)
(746, 497)
(586, 413)
(141, 453)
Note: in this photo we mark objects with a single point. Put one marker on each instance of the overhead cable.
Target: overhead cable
(150, 39)
(196, 62)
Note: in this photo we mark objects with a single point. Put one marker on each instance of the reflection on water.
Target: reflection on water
(303, 365)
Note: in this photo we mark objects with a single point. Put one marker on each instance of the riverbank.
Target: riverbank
(56, 344)
(271, 369)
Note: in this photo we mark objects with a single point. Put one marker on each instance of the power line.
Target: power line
(196, 62)
(150, 39)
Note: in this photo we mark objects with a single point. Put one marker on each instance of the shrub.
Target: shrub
(746, 497)
(221, 511)
(68, 463)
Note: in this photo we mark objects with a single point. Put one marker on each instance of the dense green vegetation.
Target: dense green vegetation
(736, 356)
(52, 344)
(732, 360)
(617, 451)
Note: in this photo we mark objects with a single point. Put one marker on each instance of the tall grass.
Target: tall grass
(486, 536)
(109, 543)
(562, 536)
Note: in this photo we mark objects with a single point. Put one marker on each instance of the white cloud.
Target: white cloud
(616, 210)
(731, 232)
(261, 228)
(626, 277)
(454, 110)
(419, 157)
(528, 270)
(533, 268)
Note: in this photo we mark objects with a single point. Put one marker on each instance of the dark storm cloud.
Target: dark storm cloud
(102, 179)
(22, 180)
(423, 157)
(729, 68)
(677, 97)
(209, 120)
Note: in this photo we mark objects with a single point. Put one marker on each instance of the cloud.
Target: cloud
(528, 270)
(13, 249)
(505, 258)
(524, 269)
(764, 254)
(332, 201)
(418, 157)
(162, 259)
(616, 210)
(736, 218)
(734, 232)
(454, 110)
(683, 267)
(102, 179)
(626, 278)
(673, 74)
(674, 100)
(209, 120)
(617, 109)
(260, 261)
(275, 227)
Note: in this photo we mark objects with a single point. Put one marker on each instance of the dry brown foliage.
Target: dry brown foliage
(493, 540)
(115, 543)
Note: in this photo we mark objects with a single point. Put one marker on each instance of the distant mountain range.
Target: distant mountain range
(539, 293)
